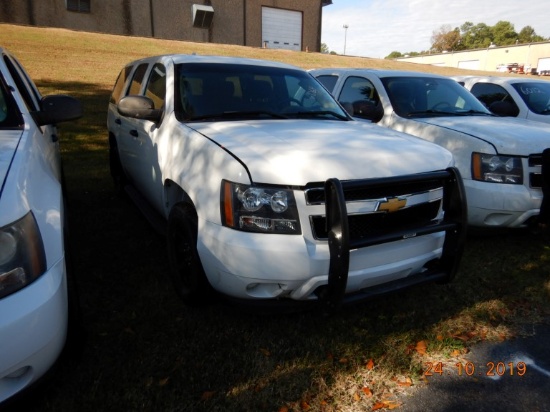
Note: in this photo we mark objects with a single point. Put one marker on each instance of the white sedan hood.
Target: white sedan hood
(295, 152)
(9, 139)
(508, 135)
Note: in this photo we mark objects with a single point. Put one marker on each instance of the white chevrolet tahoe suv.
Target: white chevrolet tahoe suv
(499, 158)
(267, 189)
(34, 292)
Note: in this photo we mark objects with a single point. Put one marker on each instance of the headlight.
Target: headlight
(259, 209)
(497, 169)
(22, 256)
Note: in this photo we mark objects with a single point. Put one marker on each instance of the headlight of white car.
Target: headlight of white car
(22, 256)
(259, 209)
(497, 169)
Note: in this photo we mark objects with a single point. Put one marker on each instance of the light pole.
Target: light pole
(345, 37)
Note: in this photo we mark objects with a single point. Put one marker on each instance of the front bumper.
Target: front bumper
(33, 328)
(261, 266)
(266, 266)
(501, 205)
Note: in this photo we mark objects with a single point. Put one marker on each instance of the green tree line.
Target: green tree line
(471, 36)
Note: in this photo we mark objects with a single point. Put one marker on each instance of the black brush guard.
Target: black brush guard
(453, 224)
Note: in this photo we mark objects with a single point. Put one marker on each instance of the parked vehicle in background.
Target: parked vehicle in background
(267, 190)
(524, 97)
(34, 299)
(500, 159)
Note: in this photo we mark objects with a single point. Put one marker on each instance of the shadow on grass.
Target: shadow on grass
(146, 351)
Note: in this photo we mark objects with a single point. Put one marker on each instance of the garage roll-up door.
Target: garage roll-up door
(281, 29)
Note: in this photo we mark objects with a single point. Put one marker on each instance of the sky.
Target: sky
(378, 27)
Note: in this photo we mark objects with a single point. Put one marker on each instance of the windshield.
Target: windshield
(228, 91)
(536, 95)
(428, 96)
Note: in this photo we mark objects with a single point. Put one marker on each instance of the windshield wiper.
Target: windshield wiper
(446, 113)
(232, 115)
(321, 113)
(468, 112)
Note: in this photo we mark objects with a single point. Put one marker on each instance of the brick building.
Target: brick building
(287, 24)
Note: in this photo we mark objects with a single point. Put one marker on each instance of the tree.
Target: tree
(528, 35)
(445, 39)
(324, 48)
(504, 34)
(394, 55)
(475, 37)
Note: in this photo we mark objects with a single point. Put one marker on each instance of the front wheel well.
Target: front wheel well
(174, 194)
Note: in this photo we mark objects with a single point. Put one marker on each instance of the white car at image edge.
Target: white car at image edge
(34, 299)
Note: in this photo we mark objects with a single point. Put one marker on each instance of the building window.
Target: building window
(81, 6)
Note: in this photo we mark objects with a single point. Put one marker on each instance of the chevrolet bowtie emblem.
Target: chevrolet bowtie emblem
(392, 204)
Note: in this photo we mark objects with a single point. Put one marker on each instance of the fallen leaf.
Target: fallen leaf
(455, 353)
(343, 360)
(367, 392)
(463, 337)
(164, 381)
(370, 364)
(378, 405)
(305, 406)
(439, 338)
(421, 347)
(283, 409)
(392, 404)
(356, 397)
(265, 352)
(406, 382)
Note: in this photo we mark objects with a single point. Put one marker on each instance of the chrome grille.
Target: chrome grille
(423, 201)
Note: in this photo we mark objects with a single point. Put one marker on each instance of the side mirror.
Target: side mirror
(58, 108)
(139, 107)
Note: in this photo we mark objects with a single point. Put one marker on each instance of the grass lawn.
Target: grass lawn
(146, 351)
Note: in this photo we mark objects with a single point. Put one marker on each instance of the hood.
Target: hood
(295, 152)
(9, 139)
(508, 135)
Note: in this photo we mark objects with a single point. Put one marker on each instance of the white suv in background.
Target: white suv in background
(267, 189)
(523, 97)
(34, 299)
(500, 158)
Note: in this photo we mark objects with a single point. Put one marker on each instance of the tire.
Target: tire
(186, 269)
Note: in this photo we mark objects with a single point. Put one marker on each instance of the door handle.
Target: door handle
(118, 121)
(134, 133)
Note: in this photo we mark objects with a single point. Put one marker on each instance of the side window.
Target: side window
(360, 98)
(489, 93)
(118, 89)
(137, 80)
(156, 85)
(492, 94)
(328, 80)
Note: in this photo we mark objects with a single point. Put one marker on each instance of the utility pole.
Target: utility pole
(345, 37)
